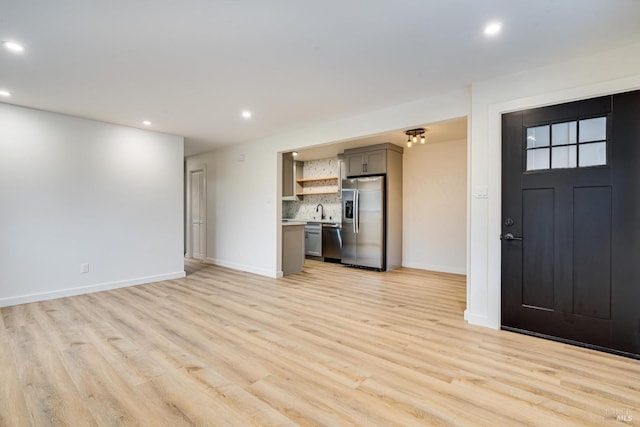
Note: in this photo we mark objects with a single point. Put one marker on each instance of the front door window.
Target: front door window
(578, 143)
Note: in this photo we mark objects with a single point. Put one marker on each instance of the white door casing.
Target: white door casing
(198, 214)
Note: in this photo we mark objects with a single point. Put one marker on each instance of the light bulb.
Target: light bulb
(422, 139)
(13, 46)
(492, 29)
(414, 139)
(409, 144)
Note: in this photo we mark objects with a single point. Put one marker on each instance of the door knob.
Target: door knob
(509, 236)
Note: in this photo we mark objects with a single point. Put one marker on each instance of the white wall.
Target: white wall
(435, 206)
(605, 73)
(244, 220)
(78, 191)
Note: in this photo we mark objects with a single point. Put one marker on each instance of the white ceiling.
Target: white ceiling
(192, 66)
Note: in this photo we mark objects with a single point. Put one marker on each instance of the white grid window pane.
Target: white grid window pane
(538, 159)
(564, 133)
(593, 129)
(538, 136)
(563, 157)
(594, 154)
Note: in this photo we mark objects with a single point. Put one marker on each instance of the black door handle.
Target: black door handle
(509, 236)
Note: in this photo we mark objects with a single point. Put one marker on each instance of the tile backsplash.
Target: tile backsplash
(305, 208)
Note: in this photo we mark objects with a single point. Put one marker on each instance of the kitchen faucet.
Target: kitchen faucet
(321, 210)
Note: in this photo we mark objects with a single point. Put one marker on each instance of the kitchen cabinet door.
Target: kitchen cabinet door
(291, 171)
(355, 164)
(367, 163)
(313, 241)
(292, 248)
(375, 162)
(342, 174)
(287, 175)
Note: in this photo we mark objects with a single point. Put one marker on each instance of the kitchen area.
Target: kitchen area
(433, 188)
(343, 209)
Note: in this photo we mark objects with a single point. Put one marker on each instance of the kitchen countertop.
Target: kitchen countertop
(293, 222)
(304, 221)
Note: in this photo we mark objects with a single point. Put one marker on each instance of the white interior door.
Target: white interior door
(198, 215)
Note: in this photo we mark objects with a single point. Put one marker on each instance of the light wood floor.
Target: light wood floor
(330, 346)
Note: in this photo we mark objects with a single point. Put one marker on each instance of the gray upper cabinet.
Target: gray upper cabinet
(355, 164)
(366, 163)
(375, 162)
(291, 171)
(371, 160)
(342, 173)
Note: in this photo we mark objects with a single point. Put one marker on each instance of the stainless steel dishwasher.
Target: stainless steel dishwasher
(332, 242)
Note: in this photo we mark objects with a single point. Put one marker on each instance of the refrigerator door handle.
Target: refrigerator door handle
(356, 211)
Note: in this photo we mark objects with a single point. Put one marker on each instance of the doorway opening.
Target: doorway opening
(197, 214)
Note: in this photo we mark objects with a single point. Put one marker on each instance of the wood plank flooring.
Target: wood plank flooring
(330, 346)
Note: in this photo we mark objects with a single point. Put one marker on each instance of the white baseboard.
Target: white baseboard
(246, 268)
(438, 268)
(474, 319)
(43, 296)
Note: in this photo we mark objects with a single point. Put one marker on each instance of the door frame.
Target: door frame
(484, 285)
(188, 229)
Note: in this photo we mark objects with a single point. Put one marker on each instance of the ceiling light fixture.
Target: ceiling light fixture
(294, 153)
(13, 46)
(246, 114)
(414, 134)
(5, 93)
(492, 28)
(146, 123)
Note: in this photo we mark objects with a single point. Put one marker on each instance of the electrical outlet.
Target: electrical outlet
(84, 267)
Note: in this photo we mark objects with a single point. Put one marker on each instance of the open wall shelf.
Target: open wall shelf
(307, 185)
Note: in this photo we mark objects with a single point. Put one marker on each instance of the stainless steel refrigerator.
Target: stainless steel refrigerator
(363, 222)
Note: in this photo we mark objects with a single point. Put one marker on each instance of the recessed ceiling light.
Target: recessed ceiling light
(492, 29)
(146, 123)
(5, 93)
(13, 46)
(246, 114)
